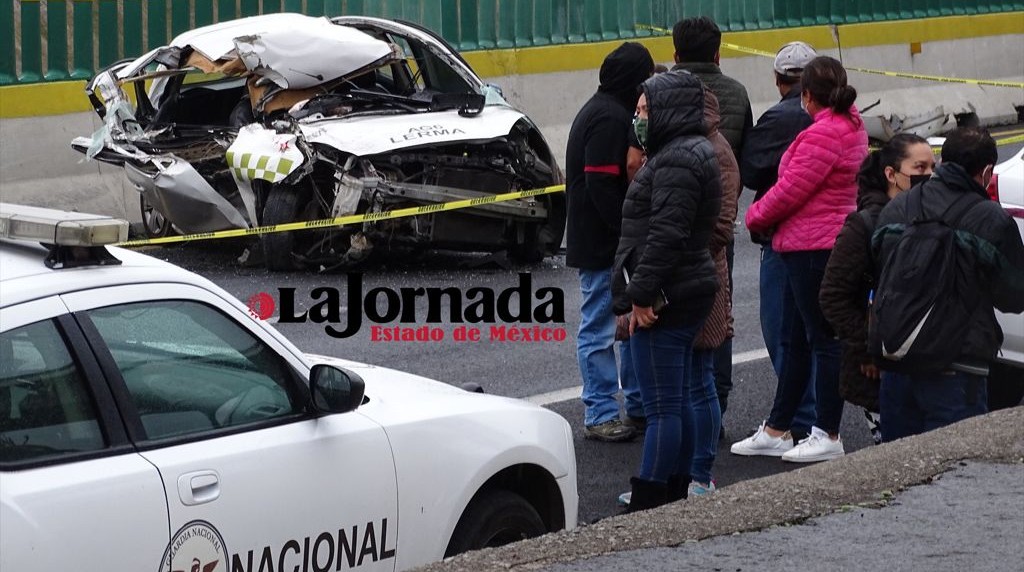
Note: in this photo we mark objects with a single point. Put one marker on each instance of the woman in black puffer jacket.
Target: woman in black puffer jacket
(668, 216)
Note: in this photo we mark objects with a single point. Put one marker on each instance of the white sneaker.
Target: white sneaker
(818, 447)
(761, 443)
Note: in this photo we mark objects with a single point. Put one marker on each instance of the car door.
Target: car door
(254, 481)
(75, 495)
(1011, 196)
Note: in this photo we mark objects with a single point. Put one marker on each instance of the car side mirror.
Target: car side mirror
(335, 390)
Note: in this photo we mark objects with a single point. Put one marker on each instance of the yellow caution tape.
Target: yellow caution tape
(350, 219)
(904, 75)
(1003, 141)
(752, 51)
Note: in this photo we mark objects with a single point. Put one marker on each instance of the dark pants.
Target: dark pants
(913, 404)
(723, 353)
(804, 272)
(776, 293)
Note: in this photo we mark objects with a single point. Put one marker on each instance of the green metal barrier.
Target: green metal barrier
(71, 39)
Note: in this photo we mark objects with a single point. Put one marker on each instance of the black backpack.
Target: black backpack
(926, 292)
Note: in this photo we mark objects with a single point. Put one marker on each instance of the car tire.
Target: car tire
(541, 239)
(154, 223)
(530, 250)
(495, 517)
(1005, 386)
(284, 204)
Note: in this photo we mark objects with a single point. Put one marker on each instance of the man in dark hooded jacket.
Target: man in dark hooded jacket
(595, 160)
(920, 399)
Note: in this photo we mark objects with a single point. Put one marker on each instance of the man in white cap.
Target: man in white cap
(759, 169)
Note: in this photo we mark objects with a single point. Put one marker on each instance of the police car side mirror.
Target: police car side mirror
(335, 390)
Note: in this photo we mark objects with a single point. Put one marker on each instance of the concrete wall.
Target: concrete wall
(552, 100)
(38, 166)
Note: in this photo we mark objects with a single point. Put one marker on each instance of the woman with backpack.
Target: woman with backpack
(903, 162)
(803, 212)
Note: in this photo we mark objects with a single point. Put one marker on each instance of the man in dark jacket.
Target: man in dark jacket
(919, 401)
(595, 160)
(759, 169)
(697, 42)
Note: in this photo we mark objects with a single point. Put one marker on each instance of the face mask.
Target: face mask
(916, 180)
(640, 128)
(802, 104)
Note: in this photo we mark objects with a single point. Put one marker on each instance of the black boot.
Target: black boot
(646, 494)
(678, 486)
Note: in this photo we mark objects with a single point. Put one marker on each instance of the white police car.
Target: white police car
(1006, 379)
(148, 422)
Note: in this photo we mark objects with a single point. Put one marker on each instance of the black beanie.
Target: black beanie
(626, 68)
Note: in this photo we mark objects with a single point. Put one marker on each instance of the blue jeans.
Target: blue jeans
(804, 272)
(913, 404)
(707, 416)
(595, 350)
(775, 292)
(660, 357)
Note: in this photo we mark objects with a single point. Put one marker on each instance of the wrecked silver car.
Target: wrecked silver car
(284, 117)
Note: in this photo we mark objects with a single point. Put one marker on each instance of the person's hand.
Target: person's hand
(642, 317)
(870, 370)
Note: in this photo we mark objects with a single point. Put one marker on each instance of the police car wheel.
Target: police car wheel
(285, 204)
(154, 223)
(529, 248)
(495, 517)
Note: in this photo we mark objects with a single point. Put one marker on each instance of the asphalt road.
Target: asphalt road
(517, 368)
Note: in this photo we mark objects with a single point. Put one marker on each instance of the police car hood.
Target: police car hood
(374, 134)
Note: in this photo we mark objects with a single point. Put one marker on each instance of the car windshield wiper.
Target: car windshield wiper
(468, 104)
(402, 101)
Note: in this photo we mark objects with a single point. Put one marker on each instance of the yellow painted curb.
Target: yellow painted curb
(34, 99)
(576, 57)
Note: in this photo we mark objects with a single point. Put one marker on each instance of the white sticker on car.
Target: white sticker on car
(196, 547)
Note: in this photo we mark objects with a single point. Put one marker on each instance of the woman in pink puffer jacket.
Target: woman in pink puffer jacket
(816, 189)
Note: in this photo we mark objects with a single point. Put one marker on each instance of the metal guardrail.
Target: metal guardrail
(52, 40)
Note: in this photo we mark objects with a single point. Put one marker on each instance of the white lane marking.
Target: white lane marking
(556, 396)
(568, 393)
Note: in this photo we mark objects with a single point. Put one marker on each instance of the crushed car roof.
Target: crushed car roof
(272, 45)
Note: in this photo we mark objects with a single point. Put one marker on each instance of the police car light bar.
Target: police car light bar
(60, 228)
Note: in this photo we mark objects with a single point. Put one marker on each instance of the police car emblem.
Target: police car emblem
(196, 547)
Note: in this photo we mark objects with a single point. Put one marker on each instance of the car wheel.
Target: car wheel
(529, 249)
(495, 517)
(1005, 386)
(538, 240)
(154, 223)
(283, 251)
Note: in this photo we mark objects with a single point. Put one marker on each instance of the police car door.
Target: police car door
(254, 481)
(75, 495)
